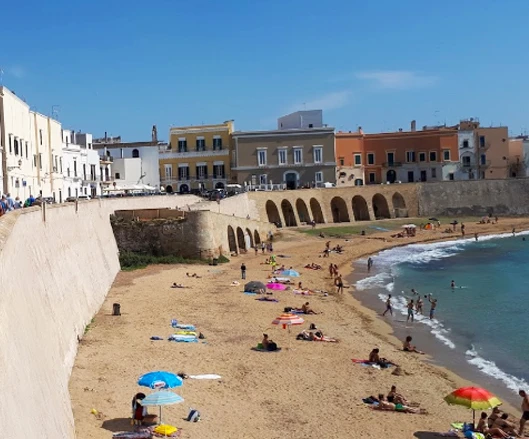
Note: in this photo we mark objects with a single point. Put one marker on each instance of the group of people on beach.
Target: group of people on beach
(415, 306)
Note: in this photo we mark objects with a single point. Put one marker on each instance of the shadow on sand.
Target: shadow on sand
(117, 424)
(430, 435)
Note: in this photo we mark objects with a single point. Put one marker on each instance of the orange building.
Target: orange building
(405, 156)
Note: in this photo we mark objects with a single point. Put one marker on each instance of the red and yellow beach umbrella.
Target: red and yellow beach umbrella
(288, 319)
(475, 398)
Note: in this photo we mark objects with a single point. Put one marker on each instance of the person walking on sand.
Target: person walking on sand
(339, 284)
(263, 247)
(243, 271)
(410, 311)
(525, 411)
(433, 305)
(331, 270)
(388, 306)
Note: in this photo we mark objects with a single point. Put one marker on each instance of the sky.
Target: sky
(122, 66)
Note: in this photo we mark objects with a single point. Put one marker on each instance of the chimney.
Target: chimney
(414, 125)
(400, 130)
(154, 134)
(105, 136)
(360, 131)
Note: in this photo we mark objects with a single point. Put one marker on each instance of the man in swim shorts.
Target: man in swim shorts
(388, 306)
(525, 411)
(433, 304)
(410, 311)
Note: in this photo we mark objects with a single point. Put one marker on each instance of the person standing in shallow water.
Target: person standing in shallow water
(410, 311)
(388, 306)
(433, 305)
(369, 263)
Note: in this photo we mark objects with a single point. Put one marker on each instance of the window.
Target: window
(182, 145)
(261, 157)
(202, 172)
(26, 149)
(84, 171)
(298, 156)
(40, 161)
(183, 172)
(35, 160)
(135, 154)
(318, 177)
(254, 179)
(446, 155)
(422, 156)
(370, 158)
(40, 136)
(263, 179)
(217, 143)
(451, 176)
(466, 161)
(372, 177)
(56, 167)
(92, 172)
(282, 156)
(465, 143)
(201, 144)
(10, 144)
(433, 156)
(391, 158)
(482, 141)
(318, 154)
(434, 173)
(60, 163)
(483, 159)
(410, 156)
(358, 159)
(68, 171)
(218, 171)
(16, 146)
(118, 176)
(168, 171)
(342, 161)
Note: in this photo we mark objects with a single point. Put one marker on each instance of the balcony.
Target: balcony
(170, 154)
(191, 179)
(484, 163)
(391, 164)
(484, 147)
(106, 159)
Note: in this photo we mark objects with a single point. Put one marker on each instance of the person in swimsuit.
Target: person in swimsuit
(453, 284)
(482, 427)
(418, 307)
(339, 284)
(433, 305)
(525, 410)
(408, 347)
(410, 311)
(388, 306)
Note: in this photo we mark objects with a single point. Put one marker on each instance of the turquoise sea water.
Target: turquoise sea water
(484, 320)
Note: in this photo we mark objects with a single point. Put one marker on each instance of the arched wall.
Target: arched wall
(303, 212)
(232, 241)
(381, 207)
(288, 214)
(340, 213)
(360, 208)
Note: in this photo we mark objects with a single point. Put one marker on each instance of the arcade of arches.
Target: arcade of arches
(242, 240)
(294, 212)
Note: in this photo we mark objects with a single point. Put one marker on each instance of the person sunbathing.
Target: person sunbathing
(374, 358)
(306, 309)
(493, 416)
(267, 299)
(408, 347)
(483, 427)
(305, 335)
(395, 397)
(384, 404)
(503, 424)
(175, 285)
(268, 345)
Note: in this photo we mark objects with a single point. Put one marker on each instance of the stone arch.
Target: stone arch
(303, 212)
(169, 189)
(250, 240)
(339, 210)
(272, 212)
(232, 242)
(360, 209)
(380, 207)
(317, 214)
(240, 239)
(288, 213)
(256, 237)
(398, 201)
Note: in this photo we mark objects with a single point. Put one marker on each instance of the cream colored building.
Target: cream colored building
(31, 144)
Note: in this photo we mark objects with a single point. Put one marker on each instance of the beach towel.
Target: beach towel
(155, 337)
(207, 376)
(250, 293)
(296, 311)
(366, 363)
(267, 299)
(183, 338)
(186, 332)
(176, 325)
(133, 435)
(264, 350)
(302, 292)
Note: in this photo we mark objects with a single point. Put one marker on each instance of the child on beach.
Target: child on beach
(388, 306)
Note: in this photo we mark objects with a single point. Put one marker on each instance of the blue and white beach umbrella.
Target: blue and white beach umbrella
(160, 380)
(291, 273)
(162, 398)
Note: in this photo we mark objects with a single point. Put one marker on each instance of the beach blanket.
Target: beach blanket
(183, 338)
(176, 325)
(297, 311)
(267, 299)
(250, 293)
(366, 363)
(133, 435)
(264, 350)
(208, 376)
(186, 332)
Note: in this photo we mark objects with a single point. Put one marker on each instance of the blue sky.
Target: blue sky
(121, 66)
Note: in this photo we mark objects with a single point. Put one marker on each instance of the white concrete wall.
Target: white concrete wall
(149, 162)
(54, 280)
(238, 205)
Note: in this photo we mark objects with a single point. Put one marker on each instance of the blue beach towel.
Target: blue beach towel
(176, 325)
(183, 338)
(250, 293)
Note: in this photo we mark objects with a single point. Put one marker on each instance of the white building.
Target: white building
(301, 120)
(80, 165)
(467, 155)
(31, 143)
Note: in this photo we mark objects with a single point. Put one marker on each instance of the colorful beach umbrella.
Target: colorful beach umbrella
(290, 272)
(160, 399)
(160, 380)
(275, 286)
(475, 398)
(288, 319)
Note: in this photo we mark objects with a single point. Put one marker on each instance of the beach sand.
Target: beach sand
(309, 389)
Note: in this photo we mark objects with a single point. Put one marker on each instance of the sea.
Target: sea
(480, 329)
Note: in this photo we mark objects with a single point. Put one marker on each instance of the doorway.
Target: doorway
(423, 175)
(291, 180)
(391, 176)
(411, 177)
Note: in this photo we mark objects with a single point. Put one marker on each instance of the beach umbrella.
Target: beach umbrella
(290, 272)
(160, 380)
(254, 287)
(288, 319)
(162, 398)
(475, 398)
(275, 286)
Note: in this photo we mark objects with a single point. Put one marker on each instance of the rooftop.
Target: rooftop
(283, 132)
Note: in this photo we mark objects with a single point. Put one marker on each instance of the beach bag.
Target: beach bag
(193, 416)
(272, 346)
(288, 308)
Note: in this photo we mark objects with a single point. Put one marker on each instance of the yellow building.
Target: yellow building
(198, 157)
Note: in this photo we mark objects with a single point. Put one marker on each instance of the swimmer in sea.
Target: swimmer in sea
(433, 305)
(452, 284)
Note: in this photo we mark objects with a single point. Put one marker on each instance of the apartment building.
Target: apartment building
(350, 158)
(197, 158)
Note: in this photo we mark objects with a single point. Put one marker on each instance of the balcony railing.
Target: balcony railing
(391, 164)
(485, 146)
(106, 159)
(193, 153)
(191, 179)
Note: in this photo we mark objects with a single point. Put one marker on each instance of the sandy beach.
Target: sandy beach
(309, 389)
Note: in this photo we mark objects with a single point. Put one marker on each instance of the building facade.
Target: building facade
(301, 120)
(350, 158)
(197, 158)
(292, 158)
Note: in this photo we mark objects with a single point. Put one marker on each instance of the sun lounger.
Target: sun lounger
(183, 338)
